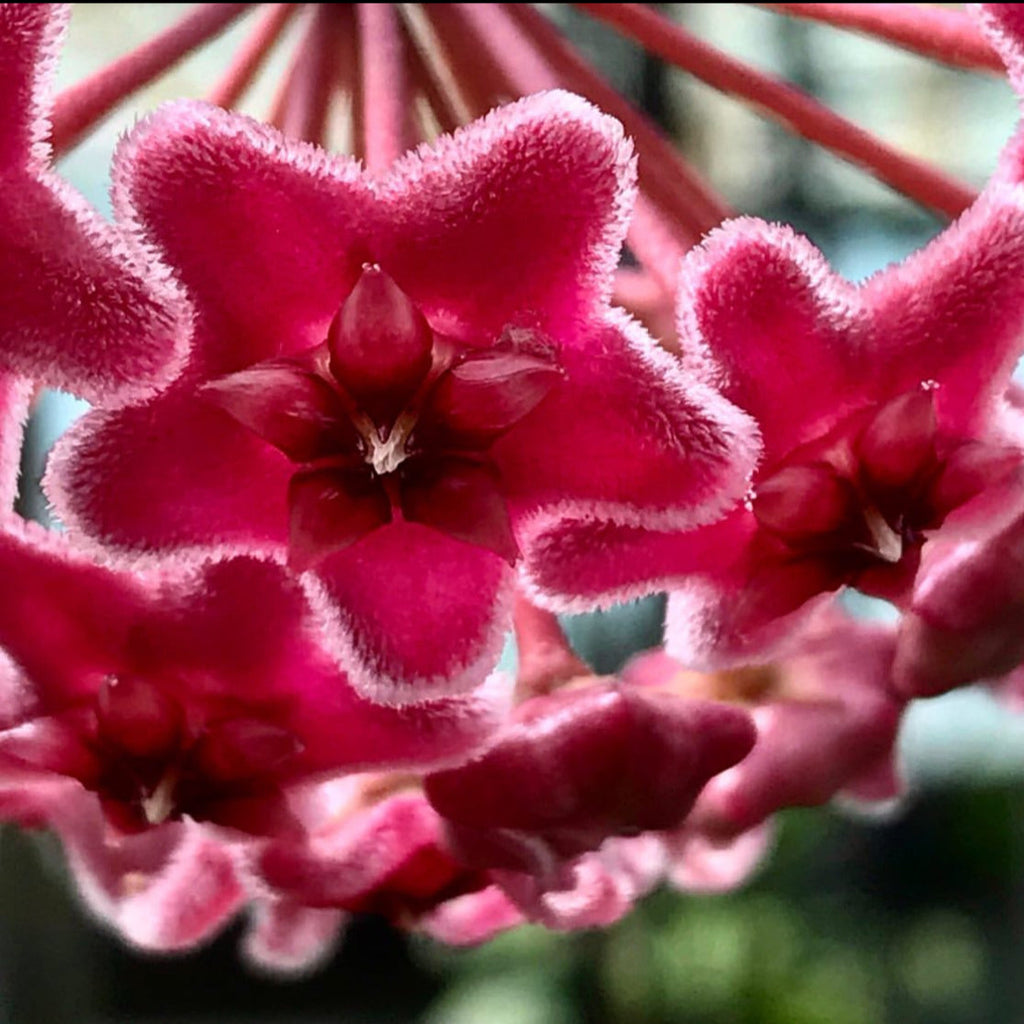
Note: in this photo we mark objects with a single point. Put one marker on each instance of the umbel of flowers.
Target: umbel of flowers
(357, 415)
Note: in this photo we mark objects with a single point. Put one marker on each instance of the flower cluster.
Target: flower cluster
(356, 417)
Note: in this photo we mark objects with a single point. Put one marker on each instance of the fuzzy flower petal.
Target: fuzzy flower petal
(83, 309)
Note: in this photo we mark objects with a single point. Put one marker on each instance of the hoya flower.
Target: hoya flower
(826, 717)
(83, 308)
(882, 412)
(391, 374)
(199, 693)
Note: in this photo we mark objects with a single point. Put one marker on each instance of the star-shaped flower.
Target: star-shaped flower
(195, 692)
(391, 376)
(883, 416)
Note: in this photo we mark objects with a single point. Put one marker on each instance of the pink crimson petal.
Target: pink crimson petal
(67, 621)
(628, 438)
(950, 313)
(216, 482)
(516, 218)
(286, 938)
(755, 298)
(67, 277)
(15, 399)
(472, 919)
(166, 889)
(31, 35)
(264, 232)
(1003, 25)
(420, 615)
(700, 863)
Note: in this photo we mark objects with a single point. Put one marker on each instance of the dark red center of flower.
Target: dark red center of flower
(153, 761)
(390, 420)
(857, 504)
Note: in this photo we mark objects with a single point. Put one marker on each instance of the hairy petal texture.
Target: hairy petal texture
(202, 690)
(629, 439)
(871, 390)
(265, 233)
(544, 186)
(485, 263)
(401, 650)
(167, 889)
(1003, 25)
(84, 309)
(15, 401)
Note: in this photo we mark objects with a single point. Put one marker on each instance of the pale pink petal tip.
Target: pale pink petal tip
(288, 939)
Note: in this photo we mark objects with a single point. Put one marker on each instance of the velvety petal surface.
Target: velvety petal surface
(629, 438)
(15, 400)
(517, 218)
(285, 938)
(84, 309)
(266, 233)
(174, 472)
(420, 615)
(167, 889)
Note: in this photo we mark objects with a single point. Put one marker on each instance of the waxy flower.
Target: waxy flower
(826, 717)
(883, 418)
(81, 307)
(199, 693)
(391, 375)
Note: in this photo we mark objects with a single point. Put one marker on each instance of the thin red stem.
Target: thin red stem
(784, 103)
(546, 659)
(937, 32)
(251, 54)
(386, 95)
(301, 107)
(445, 103)
(507, 50)
(78, 108)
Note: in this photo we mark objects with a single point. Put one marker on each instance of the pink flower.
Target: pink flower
(883, 418)
(392, 376)
(195, 692)
(83, 308)
(825, 713)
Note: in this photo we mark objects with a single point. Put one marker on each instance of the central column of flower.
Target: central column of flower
(387, 419)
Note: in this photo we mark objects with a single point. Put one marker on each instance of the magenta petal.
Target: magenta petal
(288, 938)
(629, 438)
(966, 619)
(166, 889)
(401, 651)
(380, 345)
(331, 509)
(289, 407)
(965, 338)
(462, 499)
(471, 919)
(479, 398)
(83, 309)
(138, 717)
(66, 621)
(30, 36)
(705, 864)
(757, 296)
(1003, 25)
(15, 398)
(265, 232)
(582, 765)
(217, 481)
(519, 216)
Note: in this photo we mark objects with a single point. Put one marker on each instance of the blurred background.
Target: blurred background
(916, 918)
